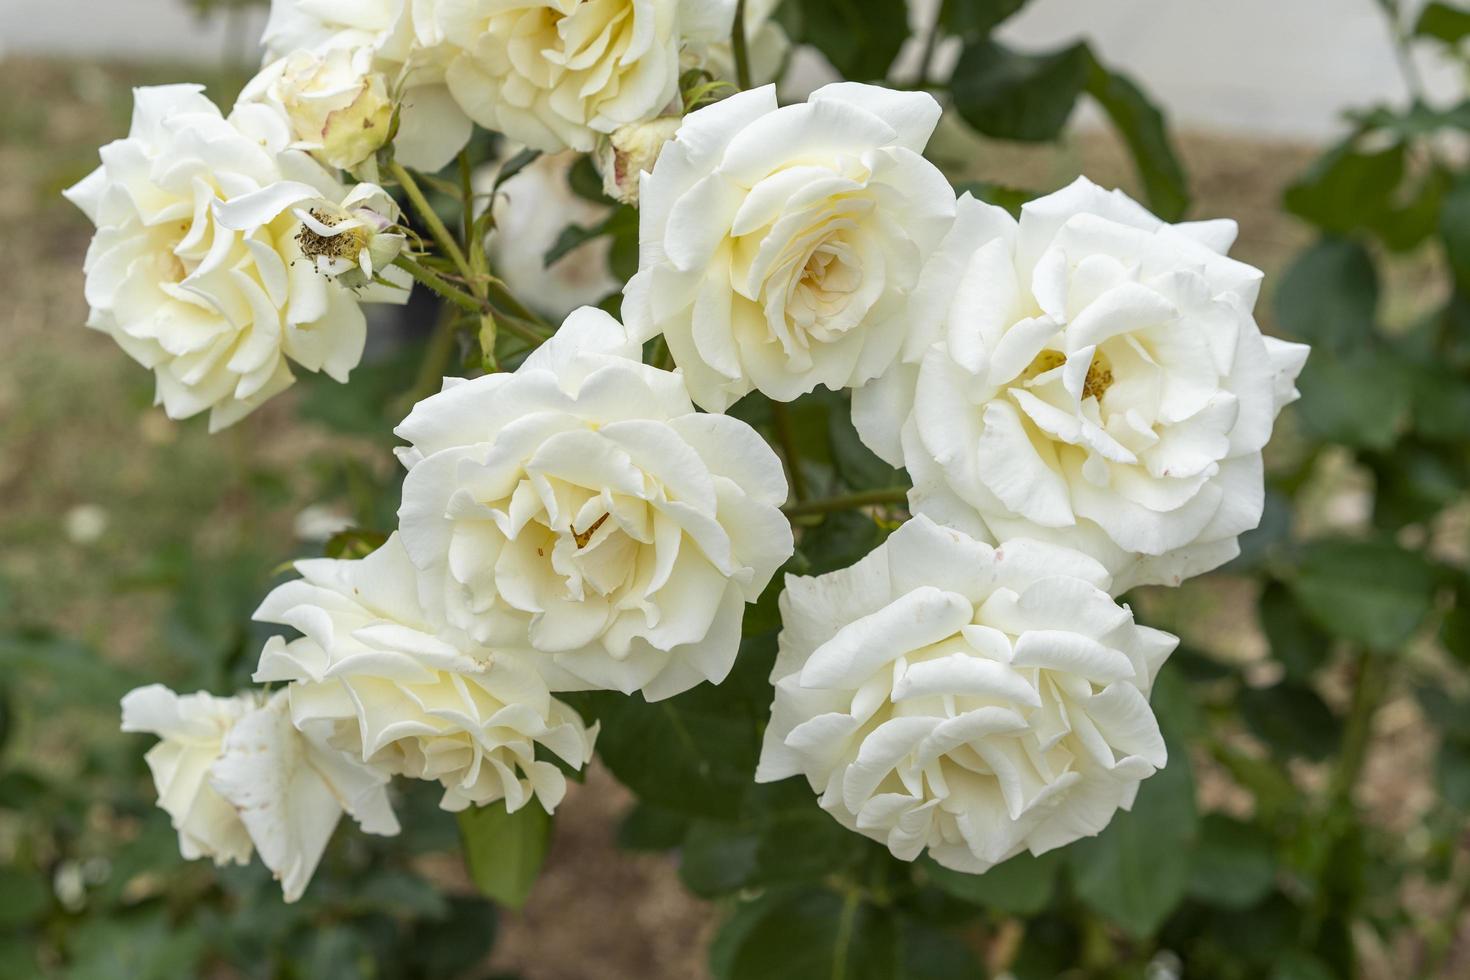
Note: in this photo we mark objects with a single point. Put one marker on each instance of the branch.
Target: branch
(738, 45)
(428, 277)
(786, 436)
(852, 501)
(431, 219)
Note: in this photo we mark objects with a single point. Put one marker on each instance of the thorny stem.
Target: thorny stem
(478, 263)
(850, 501)
(431, 219)
(428, 277)
(786, 436)
(739, 47)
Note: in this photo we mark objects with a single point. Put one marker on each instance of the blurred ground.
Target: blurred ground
(93, 482)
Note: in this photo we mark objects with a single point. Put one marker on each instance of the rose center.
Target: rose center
(1099, 373)
(346, 247)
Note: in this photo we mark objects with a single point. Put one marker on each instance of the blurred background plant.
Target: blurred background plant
(1311, 822)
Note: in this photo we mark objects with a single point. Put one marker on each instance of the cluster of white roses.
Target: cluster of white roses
(1081, 397)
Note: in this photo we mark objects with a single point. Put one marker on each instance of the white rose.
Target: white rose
(532, 210)
(339, 108)
(552, 74)
(218, 315)
(411, 695)
(408, 52)
(582, 504)
(1089, 376)
(971, 701)
(778, 246)
(233, 773)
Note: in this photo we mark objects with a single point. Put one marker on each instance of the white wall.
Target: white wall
(125, 29)
(1279, 67)
(1273, 67)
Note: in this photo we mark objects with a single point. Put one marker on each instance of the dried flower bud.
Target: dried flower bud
(629, 151)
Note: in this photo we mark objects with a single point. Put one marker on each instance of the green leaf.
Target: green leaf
(693, 754)
(1009, 95)
(1022, 885)
(1001, 195)
(622, 222)
(1406, 226)
(586, 182)
(856, 464)
(1444, 22)
(1413, 483)
(1454, 229)
(1441, 401)
(842, 539)
(1143, 128)
(1291, 718)
(1454, 632)
(339, 952)
(355, 542)
(651, 828)
(362, 407)
(23, 898)
(504, 851)
(513, 166)
(1297, 965)
(1452, 770)
(1360, 399)
(1347, 190)
(971, 19)
(1259, 544)
(1371, 592)
(928, 953)
(1296, 642)
(1138, 869)
(1329, 296)
(782, 837)
(454, 943)
(806, 935)
(1234, 863)
(139, 948)
(861, 39)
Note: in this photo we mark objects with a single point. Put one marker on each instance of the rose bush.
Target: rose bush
(900, 699)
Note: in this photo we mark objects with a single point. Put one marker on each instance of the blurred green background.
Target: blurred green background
(1312, 821)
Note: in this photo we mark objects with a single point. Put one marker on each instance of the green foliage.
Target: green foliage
(504, 851)
(1353, 611)
(1329, 297)
(1138, 869)
(859, 39)
(1015, 96)
(1370, 592)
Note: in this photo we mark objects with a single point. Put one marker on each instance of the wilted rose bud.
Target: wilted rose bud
(339, 109)
(629, 151)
